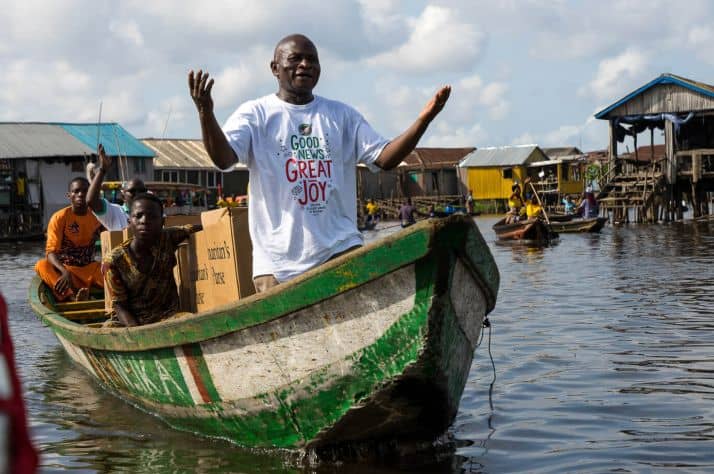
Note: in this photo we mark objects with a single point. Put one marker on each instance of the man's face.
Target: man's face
(296, 66)
(78, 195)
(146, 219)
(134, 188)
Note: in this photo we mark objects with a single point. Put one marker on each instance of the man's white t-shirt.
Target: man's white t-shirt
(302, 197)
(112, 216)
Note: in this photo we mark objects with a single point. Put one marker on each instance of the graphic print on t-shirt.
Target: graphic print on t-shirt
(308, 169)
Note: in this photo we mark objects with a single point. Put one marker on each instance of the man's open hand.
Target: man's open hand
(200, 86)
(435, 104)
(105, 162)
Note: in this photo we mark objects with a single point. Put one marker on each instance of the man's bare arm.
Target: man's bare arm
(399, 148)
(65, 281)
(93, 200)
(214, 140)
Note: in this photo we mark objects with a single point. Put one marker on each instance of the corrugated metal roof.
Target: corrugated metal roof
(179, 153)
(38, 140)
(559, 151)
(501, 156)
(434, 158)
(698, 87)
(116, 140)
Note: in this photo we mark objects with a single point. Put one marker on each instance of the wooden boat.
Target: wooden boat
(367, 225)
(554, 217)
(593, 224)
(373, 345)
(530, 230)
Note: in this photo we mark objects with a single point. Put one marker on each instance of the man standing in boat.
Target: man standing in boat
(302, 151)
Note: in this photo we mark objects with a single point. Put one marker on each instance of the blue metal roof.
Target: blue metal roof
(116, 140)
(698, 87)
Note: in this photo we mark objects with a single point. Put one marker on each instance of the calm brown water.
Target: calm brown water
(602, 347)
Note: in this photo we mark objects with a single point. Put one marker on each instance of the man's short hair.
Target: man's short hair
(148, 197)
(78, 179)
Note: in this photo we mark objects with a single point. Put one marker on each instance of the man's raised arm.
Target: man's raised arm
(95, 186)
(214, 140)
(398, 149)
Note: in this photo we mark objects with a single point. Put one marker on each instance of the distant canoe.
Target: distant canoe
(367, 225)
(375, 344)
(530, 230)
(552, 217)
(593, 224)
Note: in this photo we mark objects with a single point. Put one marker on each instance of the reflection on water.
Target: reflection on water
(602, 345)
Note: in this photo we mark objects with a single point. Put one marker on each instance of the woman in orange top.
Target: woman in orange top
(69, 269)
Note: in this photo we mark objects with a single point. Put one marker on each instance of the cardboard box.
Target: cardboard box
(182, 219)
(109, 240)
(224, 264)
(127, 233)
(185, 262)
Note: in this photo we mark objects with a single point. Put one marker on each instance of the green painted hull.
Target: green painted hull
(376, 344)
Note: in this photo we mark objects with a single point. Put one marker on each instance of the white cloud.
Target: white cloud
(439, 41)
(589, 135)
(127, 31)
(471, 96)
(701, 36)
(616, 75)
(445, 135)
(160, 122)
(526, 138)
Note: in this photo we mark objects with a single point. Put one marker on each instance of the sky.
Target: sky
(521, 71)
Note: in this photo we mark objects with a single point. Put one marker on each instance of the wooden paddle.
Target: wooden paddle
(539, 203)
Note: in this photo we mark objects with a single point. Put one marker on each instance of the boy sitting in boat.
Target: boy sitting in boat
(139, 272)
(69, 268)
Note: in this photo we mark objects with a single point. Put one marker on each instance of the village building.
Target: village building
(185, 161)
(562, 174)
(491, 172)
(37, 161)
(654, 190)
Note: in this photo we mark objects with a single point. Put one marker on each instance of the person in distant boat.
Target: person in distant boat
(301, 151)
(372, 212)
(139, 272)
(111, 215)
(515, 203)
(533, 208)
(588, 207)
(568, 205)
(406, 213)
(69, 268)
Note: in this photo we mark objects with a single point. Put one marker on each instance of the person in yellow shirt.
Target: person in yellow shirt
(533, 209)
(372, 211)
(515, 204)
